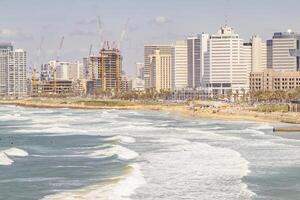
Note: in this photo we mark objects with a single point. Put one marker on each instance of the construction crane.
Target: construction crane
(57, 60)
(123, 34)
(59, 49)
(100, 32)
(33, 70)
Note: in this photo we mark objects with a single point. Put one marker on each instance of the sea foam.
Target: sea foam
(120, 190)
(5, 156)
(122, 152)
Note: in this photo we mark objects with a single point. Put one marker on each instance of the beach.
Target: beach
(210, 110)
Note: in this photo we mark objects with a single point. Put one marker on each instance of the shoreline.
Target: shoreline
(229, 114)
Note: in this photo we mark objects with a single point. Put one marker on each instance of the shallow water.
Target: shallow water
(112, 154)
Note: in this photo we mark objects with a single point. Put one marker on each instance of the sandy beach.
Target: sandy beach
(221, 112)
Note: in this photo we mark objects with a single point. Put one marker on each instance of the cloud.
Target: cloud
(82, 33)
(160, 20)
(86, 22)
(9, 34)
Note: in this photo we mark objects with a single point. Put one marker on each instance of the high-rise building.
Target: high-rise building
(110, 69)
(284, 46)
(259, 54)
(91, 65)
(225, 65)
(193, 55)
(179, 65)
(139, 70)
(197, 47)
(149, 62)
(160, 75)
(12, 71)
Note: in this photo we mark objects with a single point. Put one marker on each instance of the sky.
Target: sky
(38, 25)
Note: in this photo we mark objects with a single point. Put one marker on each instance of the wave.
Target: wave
(115, 190)
(5, 156)
(122, 153)
(12, 117)
(195, 169)
(122, 139)
(51, 130)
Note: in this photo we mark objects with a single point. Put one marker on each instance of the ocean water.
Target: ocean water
(65, 154)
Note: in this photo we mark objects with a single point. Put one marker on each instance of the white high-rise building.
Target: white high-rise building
(66, 70)
(284, 46)
(179, 65)
(259, 54)
(12, 71)
(225, 65)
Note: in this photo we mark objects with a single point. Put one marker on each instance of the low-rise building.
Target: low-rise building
(270, 80)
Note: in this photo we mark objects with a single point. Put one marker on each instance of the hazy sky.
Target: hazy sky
(26, 22)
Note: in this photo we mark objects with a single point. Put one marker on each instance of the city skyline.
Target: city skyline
(149, 22)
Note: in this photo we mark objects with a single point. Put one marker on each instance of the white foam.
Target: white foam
(54, 130)
(122, 139)
(5, 160)
(9, 117)
(16, 152)
(12, 152)
(194, 170)
(122, 190)
(122, 152)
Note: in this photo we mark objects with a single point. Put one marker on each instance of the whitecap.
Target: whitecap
(120, 190)
(122, 152)
(122, 139)
(5, 155)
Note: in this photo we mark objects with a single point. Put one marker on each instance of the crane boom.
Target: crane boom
(123, 33)
(60, 47)
(100, 32)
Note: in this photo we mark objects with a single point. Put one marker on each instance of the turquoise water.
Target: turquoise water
(112, 154)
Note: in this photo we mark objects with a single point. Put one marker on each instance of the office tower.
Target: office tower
(194, 66)
(259, 54)
(62, 70)
(12, 71)
(197, 47)
(247, 56)
(139, 70)
(225, 64)
(284, 46)
(5, 49)
(269, 54)
(160, 75)
(75, 71)
(149, 62)
(179, 65)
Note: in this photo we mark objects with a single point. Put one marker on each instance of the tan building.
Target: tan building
(258, 54)
(161, 76)
(274, 80)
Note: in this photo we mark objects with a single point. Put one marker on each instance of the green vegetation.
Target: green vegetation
(275, 96)
(272, 108)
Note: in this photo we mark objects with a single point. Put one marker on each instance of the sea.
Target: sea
(68, 154)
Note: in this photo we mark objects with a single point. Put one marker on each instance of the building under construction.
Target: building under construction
(105, 70)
